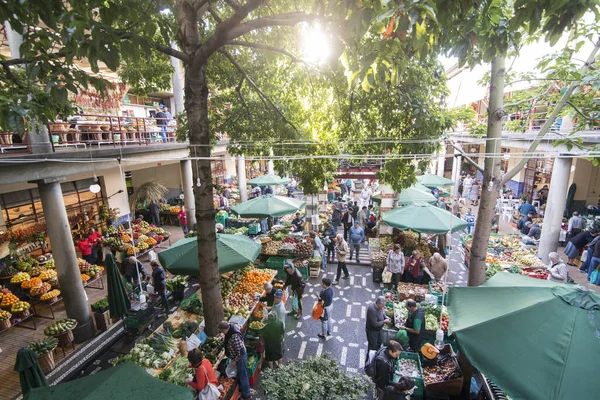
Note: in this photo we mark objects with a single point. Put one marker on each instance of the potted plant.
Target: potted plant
(43, 349)
(102, 314)
(177, 286)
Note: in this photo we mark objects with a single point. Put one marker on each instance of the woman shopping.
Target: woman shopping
(204, 380)
(272, 334)
(416, 271)
(395, 264)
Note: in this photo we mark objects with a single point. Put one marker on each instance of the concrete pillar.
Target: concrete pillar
(441, 161)
(15, 39)
(230, 167)
(456, 165)
(187, 183)
(433, 164)
(177, 86)
(242, 178)
(69, 277)
(557, 198)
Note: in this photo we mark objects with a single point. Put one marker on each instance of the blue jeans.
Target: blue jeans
(593, 266)
(242, 377)
(324, 260)
(184, 227)
(327, 325)
(165, 300)
(470, 229)
(586, 265)
(163, 133)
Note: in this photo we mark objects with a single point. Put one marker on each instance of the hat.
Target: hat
(429, 351)
(279, 294)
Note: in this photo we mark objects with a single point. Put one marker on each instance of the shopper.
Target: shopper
(326, 296)
(133, 269)
(329, 233)
(467, 183)
(443, 244)
(362, 217)
(341, 252)
(235, 350)
(557, 270)
(159, 282)
(365, 197)
(356, 236)
(576, 225)
(415, 325)
(385, 367)
(474, 193)
(269, 296)
(395, 264)
(204, 373)
(438, 267)
(182, 215)
(375, 321)
(154, 214)
(162, 122)
(279, 307)
(86, 250)
(527, 208)
(95, 240)
(336, 216)
(347, 221)
(577, 243)
(470, 220)
(273, 333)
(295, 281)
(590, 254)
(415, 268)
(533, 230)
(320, 248)
(522, 223)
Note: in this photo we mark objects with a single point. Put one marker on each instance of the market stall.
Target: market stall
(431, 180)
(413, 195)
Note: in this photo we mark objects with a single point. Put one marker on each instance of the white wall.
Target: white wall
(231, 167)
(168, 174)
(113, 182)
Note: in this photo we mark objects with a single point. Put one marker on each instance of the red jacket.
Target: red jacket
(199, 383)
(84, 247)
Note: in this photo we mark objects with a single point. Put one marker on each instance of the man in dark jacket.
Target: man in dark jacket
(385, 366)
(132, 266)
(347, 221)
(155, 214)
(375, 321)
(160, 283)
(522, 224)
(269, 296)
(294, 279)
(298, 223)
(415, 325)
(534, 230)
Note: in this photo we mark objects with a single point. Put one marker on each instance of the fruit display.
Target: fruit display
(50, 265)
(271, 248)
(31, 283)
(264, 240)
(287, 249)
(256, 325)
(132, 250)
(47, 275)
(125, 238)
(43, 346)
(378, 259)
(150, 242)
(238, 304)
(20, 277)
(527, 259)
(159, 238)
(227, 383)
(4, 315)
(20, 306)
(230, 281)
(384, 242)
(8, 272)
(304, 248)
(142, 246)
(61, 326)
(92, 270)
(254, 280)
(36, 271)
(412, 291)
(40, 290)
(112, 242)
(391, 297)
(301, 262)
(445, 370)
(85, 278)
(8, 299)
(50, 295)
(110, 230)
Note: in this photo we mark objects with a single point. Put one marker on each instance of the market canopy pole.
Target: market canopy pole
(241, 172)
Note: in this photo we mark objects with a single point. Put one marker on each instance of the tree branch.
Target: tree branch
(264, 47)
(21, 61)
(171, 51)
(573, 87)
(261, 94)
(466, 157)
(578, 111)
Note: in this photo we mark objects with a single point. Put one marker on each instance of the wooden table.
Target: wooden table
(100, 279)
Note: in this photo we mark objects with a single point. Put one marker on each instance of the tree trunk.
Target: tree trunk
(196, 105)
(491, 176)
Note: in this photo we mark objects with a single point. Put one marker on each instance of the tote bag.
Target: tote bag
(210, 391)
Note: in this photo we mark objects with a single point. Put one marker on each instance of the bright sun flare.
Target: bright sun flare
(315, 44)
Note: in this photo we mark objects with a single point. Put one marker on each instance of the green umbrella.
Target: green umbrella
(376, 198)
(422, 187)
(423, 218)
(569, 202)
(268, 206)
(234, 251)
(413, 195)
(123, 382)
(535, 342)
(431, 180)
(29, 370)
(118, 303)
(266, 180)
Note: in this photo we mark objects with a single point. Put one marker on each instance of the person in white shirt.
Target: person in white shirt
(557, 270)
(467, 183)
(395, 264)
(365, 197)
(576, 224)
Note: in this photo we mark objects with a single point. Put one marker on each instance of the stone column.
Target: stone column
(187, 183)
(69, 277)
(456, 165)
(441, 161)
(242, 178)
(177, 82)
(555, 206)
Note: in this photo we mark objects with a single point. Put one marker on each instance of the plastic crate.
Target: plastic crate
(304, 272)
(387, 335)
(419, 382)
(384, 292)
(253, 371)
(253, 229)
(439, 295)
(276, 263)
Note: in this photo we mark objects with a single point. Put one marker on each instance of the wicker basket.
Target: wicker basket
(65, 338)
(52, 299)
(46, 362)
(5, 324)
(21, 314)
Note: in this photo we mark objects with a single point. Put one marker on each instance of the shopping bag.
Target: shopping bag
(231, 370)
(386, 277)
(295, 302)
(584, 256)
(317, 310)
(594, 276)
(210, 391)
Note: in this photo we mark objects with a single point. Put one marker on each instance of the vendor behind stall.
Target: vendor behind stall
(132, 266)
(415, 325)
(269, 295)
(298, 223)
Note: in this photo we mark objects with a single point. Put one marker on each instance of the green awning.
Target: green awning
(266, 180)
(535, 339)
(422, 187)
(268, 206)
(413, 195)
(376, 198)
(423, 218)
(431, 180)
(123, 382)
(234, 251)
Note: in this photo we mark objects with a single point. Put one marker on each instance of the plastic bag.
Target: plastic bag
(317, 310)
(386, 276)
(231, 370)
(193, 342)
(295, 302)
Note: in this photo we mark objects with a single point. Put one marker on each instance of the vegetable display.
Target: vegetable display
(304, 248)
(412, 291)
(144, 355)
(61, 326)
(272, 247)
(378, 259)
(43, 346)
(178, 372)
(8, 272)
(409, 367)
(192, 304)
(100, 305)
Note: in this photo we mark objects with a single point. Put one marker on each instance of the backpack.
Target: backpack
(370, 369)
